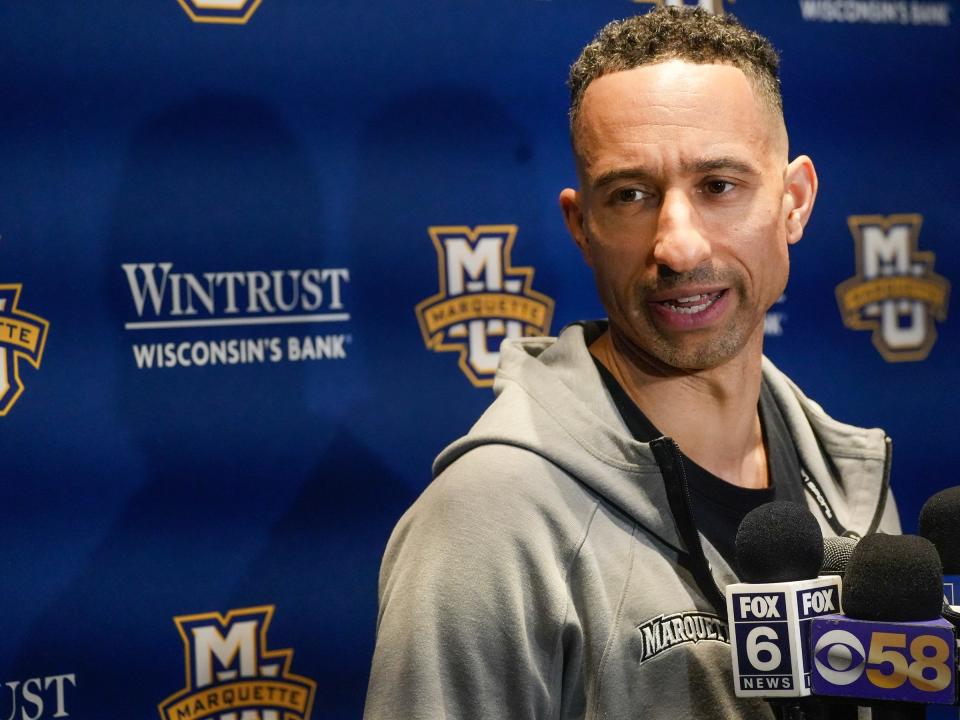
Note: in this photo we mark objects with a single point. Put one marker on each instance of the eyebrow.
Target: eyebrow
(696, 166)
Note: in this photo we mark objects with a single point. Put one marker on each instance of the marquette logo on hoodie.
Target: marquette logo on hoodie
(711, 6)
(483, 298)
(231, 12)
(231, 674)
(895, 292)
(665, 632)
(23, 336)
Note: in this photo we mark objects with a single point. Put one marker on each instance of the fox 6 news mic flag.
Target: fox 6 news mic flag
(779, 552)
(769, 632)
(892, 644)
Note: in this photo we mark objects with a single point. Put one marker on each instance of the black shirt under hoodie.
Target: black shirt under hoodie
(719, 506)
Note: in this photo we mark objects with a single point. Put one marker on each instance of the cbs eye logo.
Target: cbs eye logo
(841, 660)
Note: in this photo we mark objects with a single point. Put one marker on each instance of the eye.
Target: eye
(631, 195)
(718, 187)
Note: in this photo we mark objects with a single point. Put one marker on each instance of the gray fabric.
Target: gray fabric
(537, 576)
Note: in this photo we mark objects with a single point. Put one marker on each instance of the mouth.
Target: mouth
(694, 309)
(692, 304)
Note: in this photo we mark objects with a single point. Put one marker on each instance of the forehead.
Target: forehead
(672, 112)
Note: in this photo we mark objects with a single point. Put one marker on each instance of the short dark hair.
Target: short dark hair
(668, 33)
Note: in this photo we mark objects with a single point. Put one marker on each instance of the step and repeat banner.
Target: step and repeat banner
(256, 260)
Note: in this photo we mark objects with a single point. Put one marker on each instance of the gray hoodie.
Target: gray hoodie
(541, 574)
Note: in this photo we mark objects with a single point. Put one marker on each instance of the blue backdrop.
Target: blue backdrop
(217, 222)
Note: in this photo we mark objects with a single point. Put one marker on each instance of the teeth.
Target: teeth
(703, 301)
(690, 309)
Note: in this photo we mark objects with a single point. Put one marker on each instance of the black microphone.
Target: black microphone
(893, 578)
(940, 524)
(779, 542)
(779, 549)
(836, 554)
(891, 647)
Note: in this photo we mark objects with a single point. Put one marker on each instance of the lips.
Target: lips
(692, 304)
(689, 309)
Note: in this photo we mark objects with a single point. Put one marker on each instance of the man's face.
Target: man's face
(686, 208)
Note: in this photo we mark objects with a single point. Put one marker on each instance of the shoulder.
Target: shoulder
(849, 464)
(497, 501)
(838, 438)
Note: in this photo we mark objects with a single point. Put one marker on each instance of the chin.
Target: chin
(700, 356)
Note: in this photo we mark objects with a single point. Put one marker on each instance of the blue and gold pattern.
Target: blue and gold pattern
(230, 672)
(229, 12)
(22, 336)
(895, 292)
(483, 298)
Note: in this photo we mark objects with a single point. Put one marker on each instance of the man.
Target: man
(569, 558)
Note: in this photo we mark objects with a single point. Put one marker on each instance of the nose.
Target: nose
(679, 243)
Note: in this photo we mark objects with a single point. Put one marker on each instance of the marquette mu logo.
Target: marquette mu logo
(895, 292)
(231, 12)
(22, 336)
(711, 6)
(232, 676)
(482, 300)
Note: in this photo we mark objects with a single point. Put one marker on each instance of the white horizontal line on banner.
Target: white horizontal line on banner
(223, 322)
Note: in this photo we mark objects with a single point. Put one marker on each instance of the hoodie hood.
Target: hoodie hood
(547, 404)
(552, 401)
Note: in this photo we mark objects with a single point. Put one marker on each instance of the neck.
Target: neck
(711, 414)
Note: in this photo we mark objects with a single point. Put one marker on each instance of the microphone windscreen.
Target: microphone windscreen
(836, 554)
(895, 578)
(940, 524)
(779, 542)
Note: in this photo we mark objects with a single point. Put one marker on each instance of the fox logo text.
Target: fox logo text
(230, 673)
(760, 634)
(769, 631)
(231, 12)
(711, 6)
(22, 336)
(483, 298)
(895, 292)
(817, 602)
(760, 606)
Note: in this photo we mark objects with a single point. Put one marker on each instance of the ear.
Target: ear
(799, 194)
(571, 205)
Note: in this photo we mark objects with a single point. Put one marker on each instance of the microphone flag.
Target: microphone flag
(951, 591)
(877, 660)
(770, 633)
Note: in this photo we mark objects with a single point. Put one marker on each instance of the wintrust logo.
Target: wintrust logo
(38, 698)
(172, 307)
(877, 12)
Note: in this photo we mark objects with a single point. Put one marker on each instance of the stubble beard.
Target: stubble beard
(694, 350)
